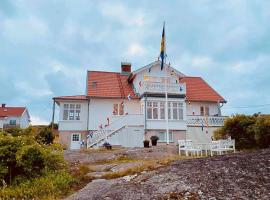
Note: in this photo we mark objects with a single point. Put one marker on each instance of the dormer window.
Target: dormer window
(94, 84)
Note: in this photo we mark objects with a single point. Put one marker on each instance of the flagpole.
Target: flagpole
(166, 88)
(167, 113)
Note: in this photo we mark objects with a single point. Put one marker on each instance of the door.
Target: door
(75, 141)
(135, 137)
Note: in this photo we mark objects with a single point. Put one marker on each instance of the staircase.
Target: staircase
(115, 127)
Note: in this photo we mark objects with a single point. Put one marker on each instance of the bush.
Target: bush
(49, 186)
(22, 156)
(45, 136)
(262, 131)
(248, 131)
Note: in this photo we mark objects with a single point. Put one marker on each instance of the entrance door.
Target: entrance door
(75, 142)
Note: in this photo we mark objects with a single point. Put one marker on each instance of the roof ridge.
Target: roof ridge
(102, 71)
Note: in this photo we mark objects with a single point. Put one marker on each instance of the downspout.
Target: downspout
(88, 115)
(53, 114)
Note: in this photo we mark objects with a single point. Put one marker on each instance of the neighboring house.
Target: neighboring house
(128, 107)
(14, 117)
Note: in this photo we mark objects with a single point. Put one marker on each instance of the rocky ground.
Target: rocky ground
(244, 175)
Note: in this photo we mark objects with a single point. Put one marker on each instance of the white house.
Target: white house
(14, 117)
(124, 108)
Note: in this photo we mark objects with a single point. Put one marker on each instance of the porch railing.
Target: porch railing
(193, 120)
(159, 87)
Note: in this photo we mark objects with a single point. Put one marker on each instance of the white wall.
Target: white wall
(65, 125)
(128, 137)
(195, 107)
(100, 109)
(25, 120)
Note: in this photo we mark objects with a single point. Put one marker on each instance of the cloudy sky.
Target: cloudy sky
(47, 46)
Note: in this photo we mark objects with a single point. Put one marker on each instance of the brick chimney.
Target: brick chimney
(125, 67)
(3, 105)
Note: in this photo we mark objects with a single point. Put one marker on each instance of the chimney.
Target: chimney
(125, 68)
(3, 105)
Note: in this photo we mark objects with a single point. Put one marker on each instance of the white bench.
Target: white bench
(188, 147)
(220, 146)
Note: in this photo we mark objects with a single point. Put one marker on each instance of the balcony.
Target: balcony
(214, 121)
(7, 126)
(159, 87)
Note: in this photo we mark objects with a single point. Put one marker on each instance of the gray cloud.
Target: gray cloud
(47, 46)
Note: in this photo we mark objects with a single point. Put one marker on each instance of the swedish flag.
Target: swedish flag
(163, 48)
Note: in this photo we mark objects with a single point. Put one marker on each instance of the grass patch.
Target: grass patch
(118, 160)
(145, 165)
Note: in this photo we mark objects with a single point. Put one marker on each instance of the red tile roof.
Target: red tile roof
(198, 90)
(11, 111)
(108, 85)
(74, 97)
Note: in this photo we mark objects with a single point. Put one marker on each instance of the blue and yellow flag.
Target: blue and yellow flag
(163, 48)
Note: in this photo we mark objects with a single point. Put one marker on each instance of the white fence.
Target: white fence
(193, 120)
(158, 87)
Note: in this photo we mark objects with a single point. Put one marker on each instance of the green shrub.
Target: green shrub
(31, 159)
(50, 186)
(22, 156)
(248, 131)
(262, 131)
(45, 136)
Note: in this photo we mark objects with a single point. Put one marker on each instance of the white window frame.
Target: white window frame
(119, 107)
(179, 109)
(72, 112)
(204, 110)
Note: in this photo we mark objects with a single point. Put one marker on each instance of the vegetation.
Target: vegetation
(248, 131)
(30, 166)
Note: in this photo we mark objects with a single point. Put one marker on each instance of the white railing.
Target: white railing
(118, 124)
(159, 87)
(193, 120)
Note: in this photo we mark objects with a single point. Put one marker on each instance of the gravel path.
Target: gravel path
(235, 176)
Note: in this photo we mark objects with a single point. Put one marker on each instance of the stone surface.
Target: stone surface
(235, 176)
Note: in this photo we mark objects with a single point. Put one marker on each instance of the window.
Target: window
(180, 110)
(94, 84)
(175, 114)
(169, 110)
(12, 122)
(65, 114)
(163, 136)
(118, 109)
(75, 138)
(202, 111)
(206, 110)
(72, 112)
(155, 110)
(162, 110)
(149, 110)
(175, 110)
(121, 108)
